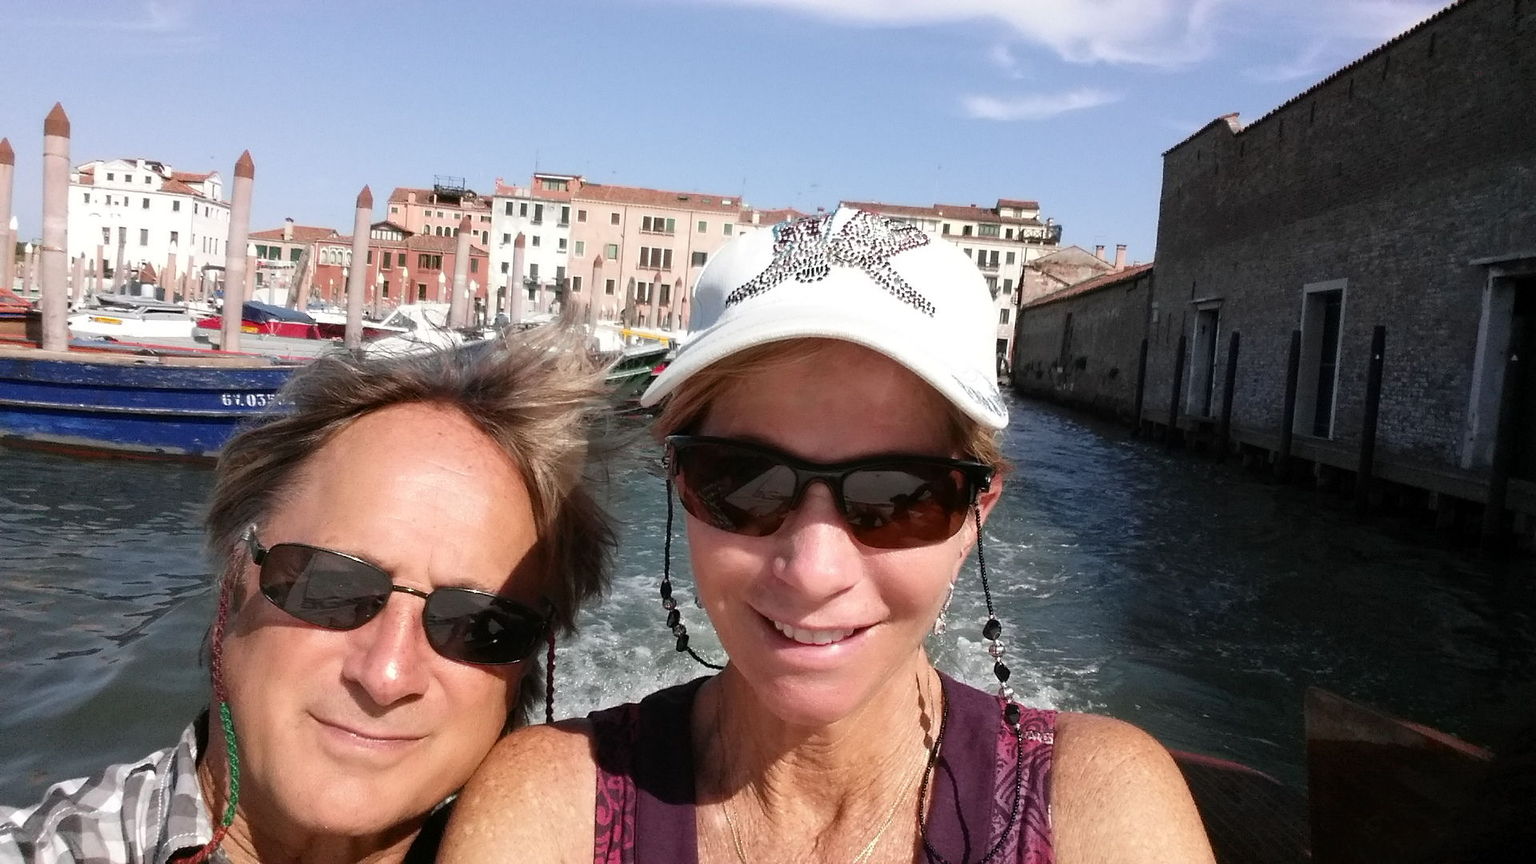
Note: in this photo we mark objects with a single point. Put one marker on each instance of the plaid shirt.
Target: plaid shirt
(144, 812)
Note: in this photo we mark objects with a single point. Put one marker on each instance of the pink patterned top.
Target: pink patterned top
(645, 794)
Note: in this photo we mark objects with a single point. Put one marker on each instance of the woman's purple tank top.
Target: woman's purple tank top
(645, 812)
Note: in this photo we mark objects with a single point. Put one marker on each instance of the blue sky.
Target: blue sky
(785, 102)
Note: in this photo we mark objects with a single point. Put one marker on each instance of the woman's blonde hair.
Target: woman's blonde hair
(688, 405)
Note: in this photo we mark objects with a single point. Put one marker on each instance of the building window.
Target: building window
(176, 237)
(613, 218)
(946, 227)
(506, 238)
(653, 258)
(535, 240)
(1007, 286)
(989, 230)
(370, 256)
(1002, 316)
(698, 259)
(727, 228)
(560, 244)
(146, 179)
(474, 265)
(1008, 258)
(122, 235)
(565, 213)
(533, 272)
(175, 206)
(146, 204)
(86, 198)
(522, 208)
(505, 268)
(538, 214)
(658, 225)
(110, 177)
(611, 251)
(1008, 234)
(703, 226)
(967, 250)
(581, 248)
(608, 287)
(143, 236)
(965, 230)
(581, 215)
(293, 254)
(421, 291)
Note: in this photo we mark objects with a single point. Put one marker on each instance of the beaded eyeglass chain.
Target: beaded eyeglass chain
(674, 617)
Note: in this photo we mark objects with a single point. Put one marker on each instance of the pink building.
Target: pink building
(637, 252)
(402, 267)
(436, 212)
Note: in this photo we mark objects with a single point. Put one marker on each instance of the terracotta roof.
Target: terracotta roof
(179, 188)
(770, 217)
(1014, 202)
(471, 199)
(1237, 127)
(301, 234)
(191, 176)
(960, 212)
(611, 194)
(1088, 286)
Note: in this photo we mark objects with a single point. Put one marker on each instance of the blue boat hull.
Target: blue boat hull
(174, 408)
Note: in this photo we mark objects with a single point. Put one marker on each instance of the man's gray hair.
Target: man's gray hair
(536, 395)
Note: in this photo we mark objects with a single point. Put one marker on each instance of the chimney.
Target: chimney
(288, 229)
(410, 197)
(1098, 252)
(1119, 257)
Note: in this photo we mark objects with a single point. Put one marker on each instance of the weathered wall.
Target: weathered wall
(1094, 367)
(1393, 175)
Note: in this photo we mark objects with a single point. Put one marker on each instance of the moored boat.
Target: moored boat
(178, 406)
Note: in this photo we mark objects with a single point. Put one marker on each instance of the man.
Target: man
(394, 547)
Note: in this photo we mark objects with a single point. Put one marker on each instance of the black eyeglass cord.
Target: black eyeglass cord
(1018, 790)
(675, 618)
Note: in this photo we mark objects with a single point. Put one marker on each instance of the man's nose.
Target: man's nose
(388, 657)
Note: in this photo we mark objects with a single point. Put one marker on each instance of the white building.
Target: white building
(146, 212)
(1000, 239)
(540, 212)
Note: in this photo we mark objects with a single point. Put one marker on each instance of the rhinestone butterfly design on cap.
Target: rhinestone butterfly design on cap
(807, 249)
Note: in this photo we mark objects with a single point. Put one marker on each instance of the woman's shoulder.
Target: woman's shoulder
(1116, 790)
(533, 793)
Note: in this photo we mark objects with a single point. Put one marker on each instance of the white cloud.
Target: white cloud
(1035, 107)
(1330, 35)
(1140, 32)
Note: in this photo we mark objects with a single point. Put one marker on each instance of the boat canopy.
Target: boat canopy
(259, 313)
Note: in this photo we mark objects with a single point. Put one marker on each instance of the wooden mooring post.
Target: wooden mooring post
(1503, 443)
(1174, 436)
(1363, 472)
(1288, 410)
(1224, 431)
(1141, 382)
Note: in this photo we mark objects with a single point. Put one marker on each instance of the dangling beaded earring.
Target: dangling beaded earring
(674, 617)
(941, 623)
(549, 677)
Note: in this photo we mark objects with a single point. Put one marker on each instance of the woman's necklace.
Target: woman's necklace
(916, 768)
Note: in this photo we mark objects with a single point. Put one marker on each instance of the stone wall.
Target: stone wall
(1389, 180)
(1090, 362)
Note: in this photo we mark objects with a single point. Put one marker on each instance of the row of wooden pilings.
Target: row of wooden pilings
(1493, 529)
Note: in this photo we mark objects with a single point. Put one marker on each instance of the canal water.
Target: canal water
(1189, 598)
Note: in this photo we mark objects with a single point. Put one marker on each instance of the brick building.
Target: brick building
(1398, 192)
(402, 267)
(1082, 344)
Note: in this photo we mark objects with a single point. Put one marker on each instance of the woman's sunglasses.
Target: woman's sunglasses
(338, 591)
(889, 502)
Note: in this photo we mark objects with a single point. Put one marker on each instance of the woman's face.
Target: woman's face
(772, 598)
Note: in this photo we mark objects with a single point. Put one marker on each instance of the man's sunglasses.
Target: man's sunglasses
(338, 591)
(889, 502)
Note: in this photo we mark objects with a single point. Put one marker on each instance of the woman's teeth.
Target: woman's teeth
(812, 637)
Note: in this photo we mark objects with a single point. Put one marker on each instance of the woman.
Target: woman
(831, 434)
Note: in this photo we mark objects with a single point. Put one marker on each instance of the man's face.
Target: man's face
(354, 732)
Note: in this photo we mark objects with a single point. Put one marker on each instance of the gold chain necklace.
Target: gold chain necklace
(869, 848)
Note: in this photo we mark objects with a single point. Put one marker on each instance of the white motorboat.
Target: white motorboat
(126, 318)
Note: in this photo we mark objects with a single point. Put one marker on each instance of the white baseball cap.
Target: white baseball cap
(855, 276)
